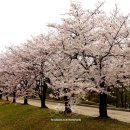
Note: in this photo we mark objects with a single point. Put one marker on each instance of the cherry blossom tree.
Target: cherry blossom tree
(87, 51)
(95, 40)
(25, 64)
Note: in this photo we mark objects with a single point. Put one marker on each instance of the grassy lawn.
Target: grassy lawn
(26, 117)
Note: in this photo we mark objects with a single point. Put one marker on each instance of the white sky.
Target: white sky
(19, 19)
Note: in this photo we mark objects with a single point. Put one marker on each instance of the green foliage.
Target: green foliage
(88, 102)
(49, 91)
(90, 99)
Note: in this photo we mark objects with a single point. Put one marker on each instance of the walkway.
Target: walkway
(89, 111)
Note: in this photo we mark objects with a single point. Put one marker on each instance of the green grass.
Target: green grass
(26, 117)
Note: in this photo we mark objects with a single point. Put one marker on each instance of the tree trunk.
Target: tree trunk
(43, 105)
(43, 96)
(67, 105)
(103, 101)
(7, 99)
(25, 100)
(1, 96)
(103, 105)
(14, 97)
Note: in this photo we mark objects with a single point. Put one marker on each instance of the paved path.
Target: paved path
(89, 111)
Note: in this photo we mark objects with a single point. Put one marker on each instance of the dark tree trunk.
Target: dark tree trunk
(103, 105)
(103, 101)
(25, 100)
(1, 96)
(7, 99)
(67, 105)
(43, 96)
(14, 97)
(43, 105)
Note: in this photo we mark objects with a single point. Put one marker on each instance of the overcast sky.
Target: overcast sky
(19, 19)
